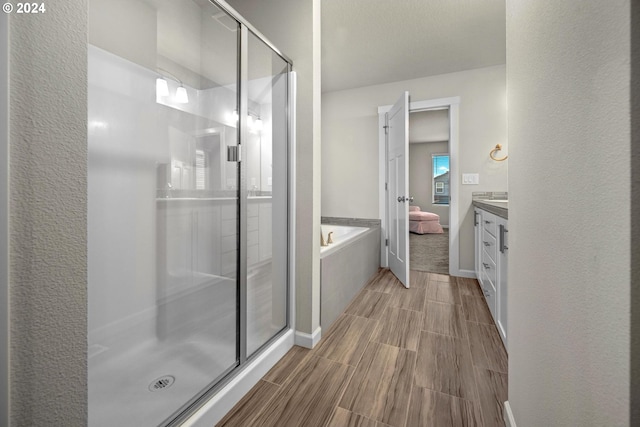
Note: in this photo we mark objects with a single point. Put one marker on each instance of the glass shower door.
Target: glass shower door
(163, 207)
(266, 197)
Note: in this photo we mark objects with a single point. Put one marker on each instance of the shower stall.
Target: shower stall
(188, 189)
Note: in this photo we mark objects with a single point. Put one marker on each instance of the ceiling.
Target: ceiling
(369, 42)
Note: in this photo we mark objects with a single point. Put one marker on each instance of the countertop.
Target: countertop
(497, 208)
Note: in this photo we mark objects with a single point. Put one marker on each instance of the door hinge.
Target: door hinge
(386, 242)
(386, 130)
(386, 186)
(233, 153)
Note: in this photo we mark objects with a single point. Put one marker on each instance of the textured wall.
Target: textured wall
(568, 73)
(293, 26)
(350, 142)
(635, 213)
(48, 78)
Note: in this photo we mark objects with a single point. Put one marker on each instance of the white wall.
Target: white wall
(421, 175)
(569, 213)
(429, 126)
(350, 142)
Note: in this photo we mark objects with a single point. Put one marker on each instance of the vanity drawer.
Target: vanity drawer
(489, 267)
(490, 245)
(489, 222)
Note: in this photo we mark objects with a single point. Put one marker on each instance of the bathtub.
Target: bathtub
(345, 267)
(341, 236)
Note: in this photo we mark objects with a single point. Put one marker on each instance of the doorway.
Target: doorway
(452, 105)
(429, 176)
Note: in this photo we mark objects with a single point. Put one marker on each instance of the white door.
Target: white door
(398, 187)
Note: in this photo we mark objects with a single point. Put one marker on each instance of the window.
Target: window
(440, 179)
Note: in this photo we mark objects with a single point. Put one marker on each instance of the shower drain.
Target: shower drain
(162, 383)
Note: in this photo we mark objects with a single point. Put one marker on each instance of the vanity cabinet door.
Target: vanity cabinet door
(489, 263)
(503, 250)
(477, 224)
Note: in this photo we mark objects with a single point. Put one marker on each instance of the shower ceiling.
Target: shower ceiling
(368, 42)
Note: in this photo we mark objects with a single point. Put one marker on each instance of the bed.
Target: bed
(423, 222)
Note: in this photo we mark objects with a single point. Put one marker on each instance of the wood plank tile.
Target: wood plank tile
(249, 406)
(468, 286)
(492, 387)
(384, 281)
(408, 298)
(400, 328)
(347, 340)
(418, 279)
(343, 418)
(430, 408)
(487, 349)
(476, 310)
(309, 397)
(444, 364)
(287, 365)
(445, 278)
(381, 384)
(443, 292)
(443, 318)
(369, 304)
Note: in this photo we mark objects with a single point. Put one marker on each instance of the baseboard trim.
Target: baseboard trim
(464, 273)
(308, 340)
(508, 415)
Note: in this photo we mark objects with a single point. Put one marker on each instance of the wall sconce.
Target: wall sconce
(181, 95)
(254, 122)
(162, 87)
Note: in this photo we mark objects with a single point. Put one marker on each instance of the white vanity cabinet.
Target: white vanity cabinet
(488, 261)
(491, 250)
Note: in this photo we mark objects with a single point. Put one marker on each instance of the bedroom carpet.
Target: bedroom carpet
(429, 252)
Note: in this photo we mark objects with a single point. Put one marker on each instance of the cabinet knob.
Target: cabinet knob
(486, 243)
(486, 265)
(487, 222)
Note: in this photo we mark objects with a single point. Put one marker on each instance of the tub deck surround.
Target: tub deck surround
(347, 264)
(352, 222)
(405, 364)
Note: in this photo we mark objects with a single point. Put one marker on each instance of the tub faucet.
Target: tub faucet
(329, 239)
(322, 242)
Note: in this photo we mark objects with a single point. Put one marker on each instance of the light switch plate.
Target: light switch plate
(470, 179)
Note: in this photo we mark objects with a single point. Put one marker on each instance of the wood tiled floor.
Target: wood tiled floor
(425, 356)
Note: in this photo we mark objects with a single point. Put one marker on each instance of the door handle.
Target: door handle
(405, 199)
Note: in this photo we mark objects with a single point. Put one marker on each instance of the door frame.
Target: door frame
(453, 104)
